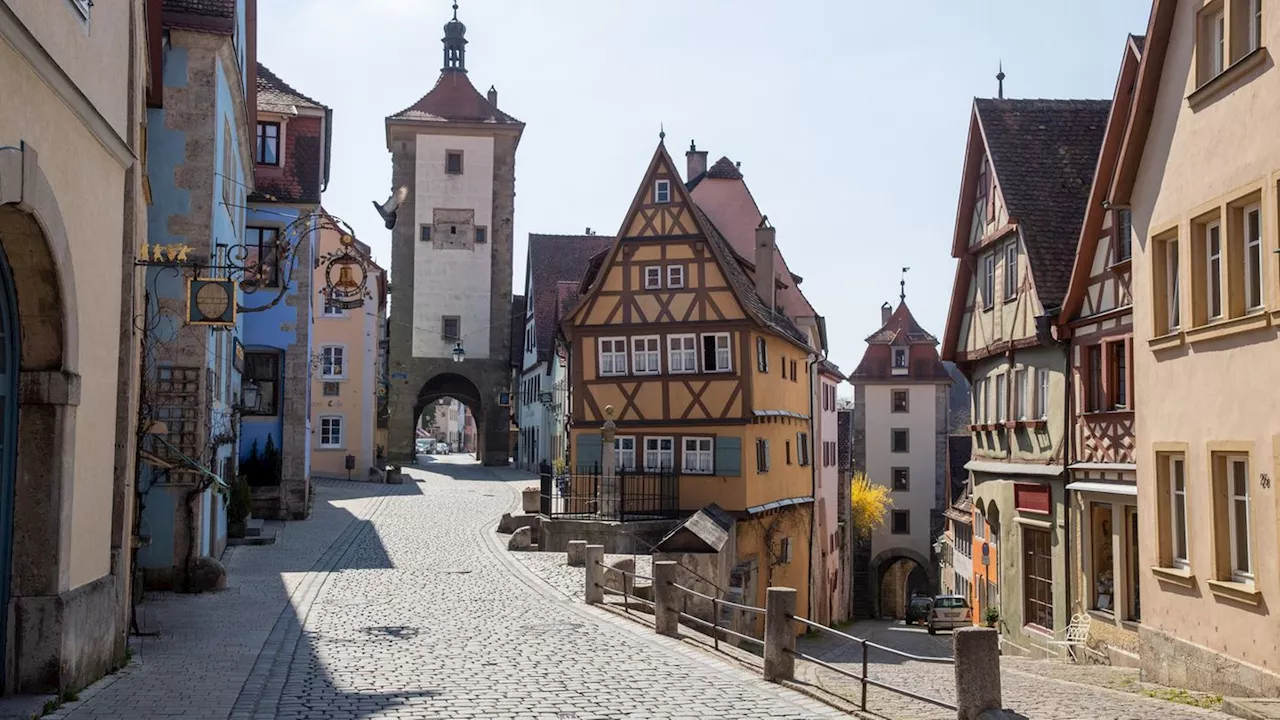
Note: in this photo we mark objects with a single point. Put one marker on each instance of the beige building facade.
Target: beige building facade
(347, 373)
(1200, 171)
(72, 215)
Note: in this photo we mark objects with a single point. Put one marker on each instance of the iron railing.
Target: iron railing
(589, 494)
(862, 677)
(716, 628)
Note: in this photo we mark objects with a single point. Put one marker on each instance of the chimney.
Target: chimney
(697, 160)
(493, 96)
(886, 311)
(766, 239)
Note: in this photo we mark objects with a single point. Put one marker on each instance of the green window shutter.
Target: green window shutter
(590, 451)
(728, 461)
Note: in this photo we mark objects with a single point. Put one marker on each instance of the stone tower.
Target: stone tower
(454, 151)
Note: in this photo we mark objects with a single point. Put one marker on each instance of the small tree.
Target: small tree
(870, 504)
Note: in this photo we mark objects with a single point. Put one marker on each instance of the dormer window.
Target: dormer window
(662, 191)
(899, 361)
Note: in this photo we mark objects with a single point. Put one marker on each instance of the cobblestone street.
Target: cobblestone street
(1033, 688)
(398, 602)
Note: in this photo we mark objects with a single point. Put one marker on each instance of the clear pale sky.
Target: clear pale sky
(849, 117)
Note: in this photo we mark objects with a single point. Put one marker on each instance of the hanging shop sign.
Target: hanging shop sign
(346, 277)
(211, 301)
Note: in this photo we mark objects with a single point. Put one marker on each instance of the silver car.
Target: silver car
(949, 612)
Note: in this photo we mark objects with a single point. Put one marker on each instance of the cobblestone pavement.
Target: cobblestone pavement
(398, 602)
(1036, 689)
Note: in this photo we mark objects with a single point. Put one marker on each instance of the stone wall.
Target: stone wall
(617, 538)
(1170, 661)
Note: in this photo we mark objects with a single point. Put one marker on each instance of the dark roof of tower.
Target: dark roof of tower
(724, 169)
(1044, 153)
(455, 99)
(901, 328)
(554, 259)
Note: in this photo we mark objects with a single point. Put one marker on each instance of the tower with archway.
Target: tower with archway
(453, 165)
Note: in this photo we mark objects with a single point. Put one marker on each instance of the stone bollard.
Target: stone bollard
(577, 553)
(666, 604)
(779, 635)
(593, 590)
(977, 656)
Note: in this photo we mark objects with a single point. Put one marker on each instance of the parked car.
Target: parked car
(949, 612)
(422, 447)
(918, 609)
(442, 448)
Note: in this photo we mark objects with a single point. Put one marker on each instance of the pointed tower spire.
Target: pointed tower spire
(902, 286)
(455, 44)
(662, 133)
(1000, 81)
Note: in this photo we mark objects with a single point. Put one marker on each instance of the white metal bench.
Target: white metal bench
(1075, 635)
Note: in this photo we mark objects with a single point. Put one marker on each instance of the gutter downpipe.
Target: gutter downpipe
(1045, 325)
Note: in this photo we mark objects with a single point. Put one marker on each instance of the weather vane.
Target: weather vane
(902, 285)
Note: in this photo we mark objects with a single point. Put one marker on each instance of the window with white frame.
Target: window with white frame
(698, 455)
(1173, 302)
(1042, 393)
(762, 355)
(659, 453)
(1255, 24)
(333, 364)
(1177, 479)
(1020, 394)
(1238, 517)
(331, 310)
(980, 401)
(1253, 296)
(624, 452)
(675, 276)
(1002, 394)
(762, 455)
(331, 431)
(1218, 42)
(802, 448)
(653, 277)
(989, 280)
(662, 191)
(682, 353)
(1011, 271)
(899, 358)
(646, 355)
(1213, 269)
(1124, 234)
(613, 356)
(716, 353)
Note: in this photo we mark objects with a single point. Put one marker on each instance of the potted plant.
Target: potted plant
(238, 507)
(532, 498)
(991, 616)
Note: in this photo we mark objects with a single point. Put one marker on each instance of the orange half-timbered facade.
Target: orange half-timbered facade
(705, 378)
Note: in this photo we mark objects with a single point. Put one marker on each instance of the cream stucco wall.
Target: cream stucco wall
(922, 422)
(1214, 386)
(356, 331)
(452, 281)
(88, 182)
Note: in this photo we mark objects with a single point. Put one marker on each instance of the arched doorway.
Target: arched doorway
(460, 388)
(897, 574)
(39, 395)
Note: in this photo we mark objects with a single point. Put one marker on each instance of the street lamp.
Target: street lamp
(458, 353)
(250, 397)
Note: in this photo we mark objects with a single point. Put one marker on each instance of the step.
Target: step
(268, 539)
(253, 527)
(1252, 708)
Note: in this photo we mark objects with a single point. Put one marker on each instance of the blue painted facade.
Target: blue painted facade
(198, 201)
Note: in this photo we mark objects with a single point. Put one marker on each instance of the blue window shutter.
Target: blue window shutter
(590, 451)
(728, 456)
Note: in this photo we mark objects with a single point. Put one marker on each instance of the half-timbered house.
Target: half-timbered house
(1097, 317)
(705, 377)
(1027, 173)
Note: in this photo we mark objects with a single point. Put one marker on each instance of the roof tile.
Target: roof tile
(276, 95)
(454, 99)
(1044, 153)
(554, 259)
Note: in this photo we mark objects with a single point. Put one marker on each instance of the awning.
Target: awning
(1103, 487)
(1104, 467)
(779, 504)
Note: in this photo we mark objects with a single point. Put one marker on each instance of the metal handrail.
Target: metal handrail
(868, 643)
(863, 679)
(716, 627)
(868, 681)
(637, 576)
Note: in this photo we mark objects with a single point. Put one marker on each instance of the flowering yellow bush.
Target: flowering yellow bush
(871, 503)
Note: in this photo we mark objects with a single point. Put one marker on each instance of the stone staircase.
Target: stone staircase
(255, 533)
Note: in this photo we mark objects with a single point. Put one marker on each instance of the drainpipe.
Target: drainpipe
(813, 472)
(1050, 334)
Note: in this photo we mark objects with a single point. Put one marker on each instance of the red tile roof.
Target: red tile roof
(556, 259)
(455, 99)
(214, 16)
(276, 95)
(901, 329)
